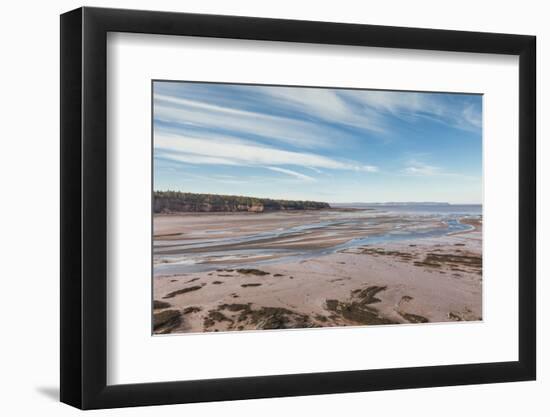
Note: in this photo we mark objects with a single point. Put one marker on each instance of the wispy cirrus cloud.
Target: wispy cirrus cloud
(308, 117)
(440, 108)
(269, 139)
(472, 116)
(292, 173)
(422, 169)
(416, 168)
(326, 104)
(290, 131)
(236, 152)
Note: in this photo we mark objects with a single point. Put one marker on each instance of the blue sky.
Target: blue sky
(333, 145)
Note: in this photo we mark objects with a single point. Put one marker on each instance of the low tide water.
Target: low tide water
(400, 223)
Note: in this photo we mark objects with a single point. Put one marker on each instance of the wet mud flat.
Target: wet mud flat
(408, 281)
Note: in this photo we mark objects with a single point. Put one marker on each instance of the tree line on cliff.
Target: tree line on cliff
(177, 202)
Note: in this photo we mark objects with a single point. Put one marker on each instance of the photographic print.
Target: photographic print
(295, 207)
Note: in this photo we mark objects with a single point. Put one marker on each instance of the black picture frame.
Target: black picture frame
(84, 207)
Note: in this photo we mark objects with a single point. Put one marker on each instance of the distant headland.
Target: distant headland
(179, 202)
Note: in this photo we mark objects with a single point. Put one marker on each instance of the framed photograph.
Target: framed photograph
(259, 208)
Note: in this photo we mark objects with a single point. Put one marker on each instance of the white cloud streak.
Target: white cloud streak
(420, 169)
(292, 173)
(325, 104)
(294, 132)
(228, 151)
(472, 117)
(417, 168)
(411, 105)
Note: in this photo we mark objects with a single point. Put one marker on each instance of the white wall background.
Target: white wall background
(29, 219)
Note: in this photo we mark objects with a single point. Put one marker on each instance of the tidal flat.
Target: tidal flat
(217, 272)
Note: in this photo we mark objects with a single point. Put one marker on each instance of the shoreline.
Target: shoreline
(259, 213)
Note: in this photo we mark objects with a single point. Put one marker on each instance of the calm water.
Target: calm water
(435, 209)
(407, 223)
